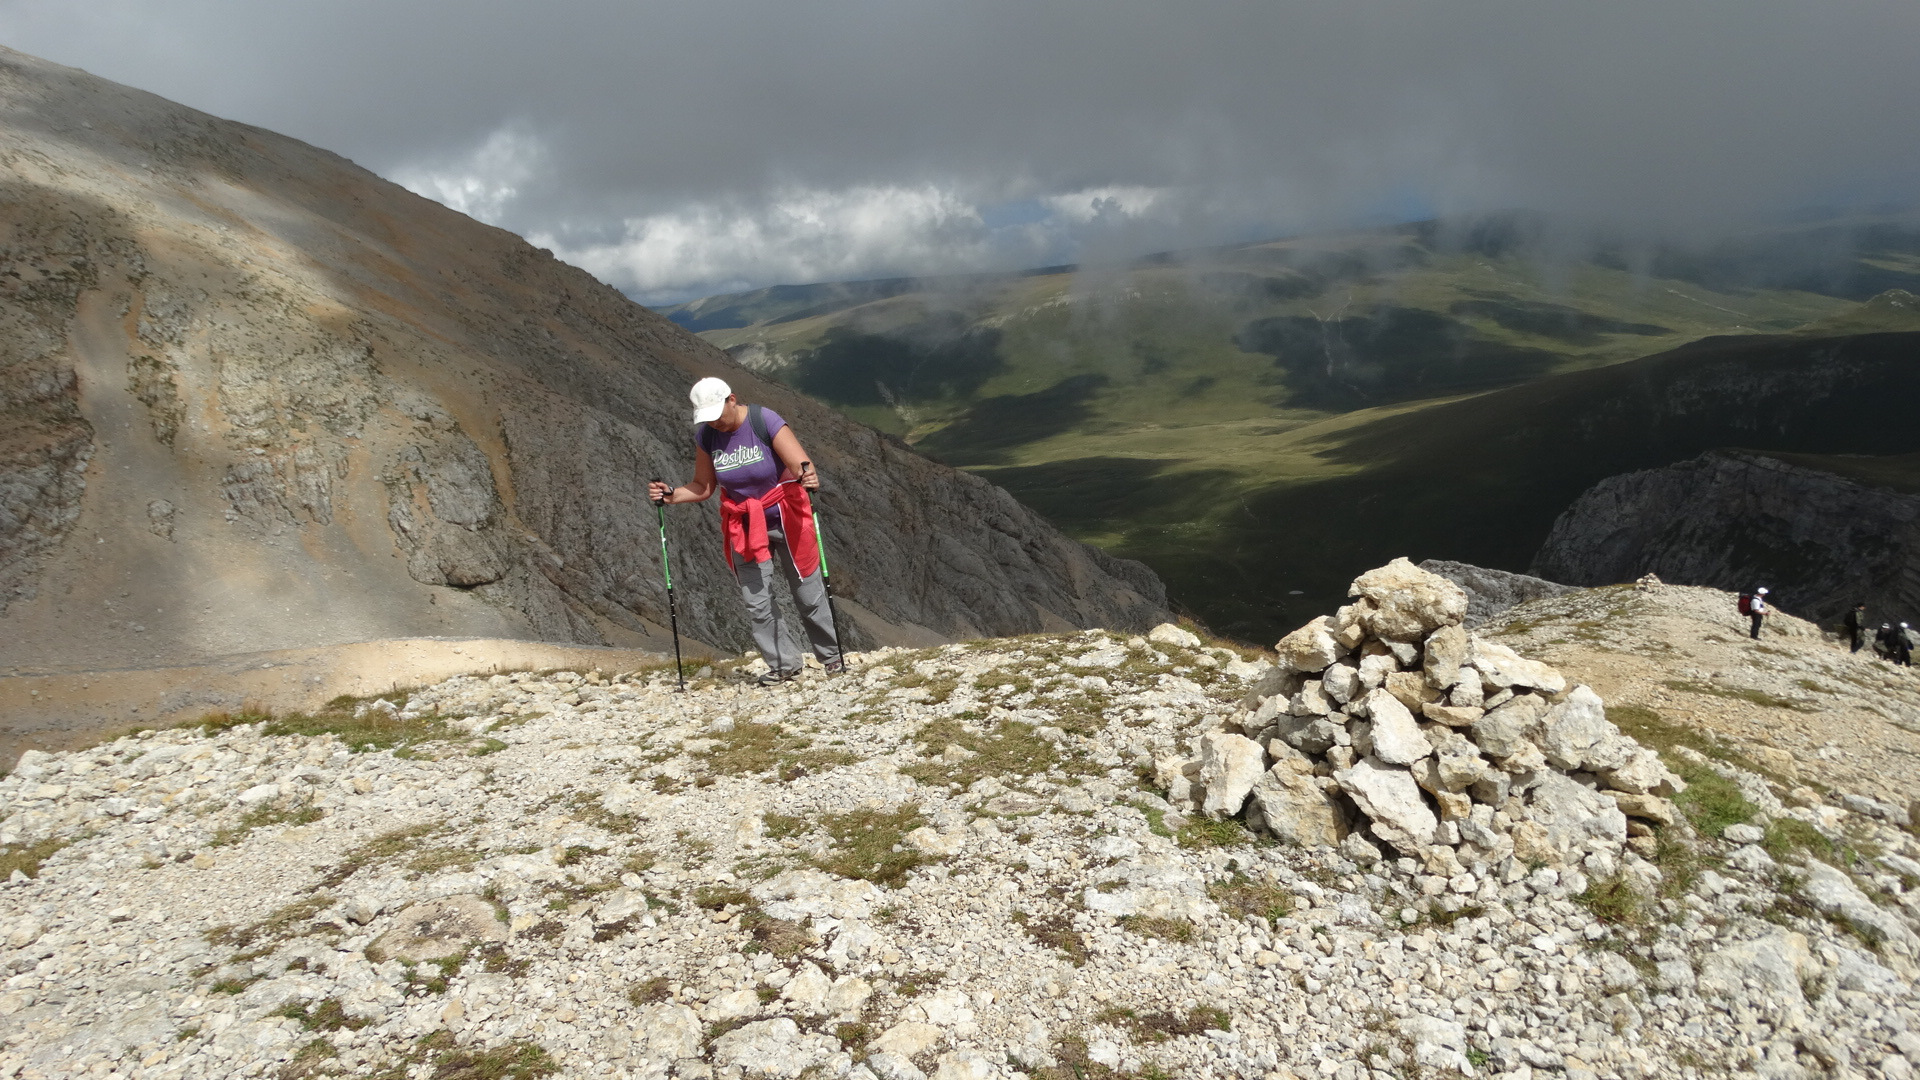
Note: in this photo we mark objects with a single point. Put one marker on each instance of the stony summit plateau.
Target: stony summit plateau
(1394, 847)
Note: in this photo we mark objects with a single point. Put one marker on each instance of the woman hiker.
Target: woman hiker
(764, 477)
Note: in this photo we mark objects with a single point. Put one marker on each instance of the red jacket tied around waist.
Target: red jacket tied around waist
(743, 525)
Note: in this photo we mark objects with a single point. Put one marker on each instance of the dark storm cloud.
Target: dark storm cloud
(698, 146)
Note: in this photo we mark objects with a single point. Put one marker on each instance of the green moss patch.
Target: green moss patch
(750, 749)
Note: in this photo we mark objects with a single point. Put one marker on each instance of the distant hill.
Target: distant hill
(1155, 409)
(1480, 479)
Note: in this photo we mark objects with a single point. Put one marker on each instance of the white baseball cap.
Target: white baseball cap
(1762, 590)
(709, 399)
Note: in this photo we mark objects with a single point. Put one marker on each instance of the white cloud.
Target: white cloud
(804, 235)
(484, 183)
(1095, 204)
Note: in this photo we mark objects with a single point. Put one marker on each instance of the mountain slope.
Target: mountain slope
(256, 397)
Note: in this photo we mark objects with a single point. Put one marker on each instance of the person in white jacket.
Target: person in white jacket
(1757, 611)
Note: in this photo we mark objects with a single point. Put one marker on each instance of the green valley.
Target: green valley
(1264, 420)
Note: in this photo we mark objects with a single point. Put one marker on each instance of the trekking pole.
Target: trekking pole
(666, 570)
(826, 579)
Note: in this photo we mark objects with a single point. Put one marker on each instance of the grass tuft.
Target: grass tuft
(1159, 1027)
(1200, 832)
(871, 845)
(750, 749)
(1057, 931)
(1612, 902)
(1179, 931)
(388, 845)
(289, 921)
(1241, 897)
(1009, 748)
(28, 858)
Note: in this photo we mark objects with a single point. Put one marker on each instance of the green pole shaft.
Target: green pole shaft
(826, 581)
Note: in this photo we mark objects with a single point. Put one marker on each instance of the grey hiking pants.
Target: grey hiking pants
(771, 635)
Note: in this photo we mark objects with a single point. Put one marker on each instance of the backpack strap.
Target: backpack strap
(759, 423)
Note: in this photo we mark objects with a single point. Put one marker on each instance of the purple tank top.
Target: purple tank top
(746, 467)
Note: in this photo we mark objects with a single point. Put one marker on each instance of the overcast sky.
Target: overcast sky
(679, 150)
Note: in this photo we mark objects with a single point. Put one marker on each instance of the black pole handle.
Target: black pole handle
(656, 480)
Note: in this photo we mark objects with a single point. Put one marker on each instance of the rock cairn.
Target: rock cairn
(1389, 723)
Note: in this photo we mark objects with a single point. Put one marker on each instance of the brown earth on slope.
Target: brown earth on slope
(253, 397)
(1796, 703)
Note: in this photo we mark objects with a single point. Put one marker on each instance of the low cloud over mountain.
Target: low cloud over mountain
(691, 150)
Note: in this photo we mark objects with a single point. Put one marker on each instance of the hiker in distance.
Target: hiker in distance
(1858, 625)
(764, 477)
(1754, 606)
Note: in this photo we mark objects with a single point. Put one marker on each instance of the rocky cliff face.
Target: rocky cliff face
(254, 397)
(1733, 520)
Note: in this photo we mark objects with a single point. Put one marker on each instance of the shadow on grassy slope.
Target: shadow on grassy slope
(1481, 480)
(999, 424)
(1094, 493)
(1393, 354)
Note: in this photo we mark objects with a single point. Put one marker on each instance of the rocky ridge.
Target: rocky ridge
(1795, 704)
(954, 862)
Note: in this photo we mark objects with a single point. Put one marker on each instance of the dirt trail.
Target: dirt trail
(64, 710)
(1796, 701)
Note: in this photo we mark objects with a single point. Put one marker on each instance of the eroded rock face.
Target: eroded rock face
(1490, 592)
(1730, 518)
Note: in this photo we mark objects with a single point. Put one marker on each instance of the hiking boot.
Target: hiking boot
(836, 667)
(774, 678)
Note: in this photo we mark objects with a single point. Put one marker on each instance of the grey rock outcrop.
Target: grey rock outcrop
(1490, 592)
(289, 404)
(1733, 520)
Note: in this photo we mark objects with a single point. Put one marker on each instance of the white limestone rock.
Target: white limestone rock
(1507, 669)
(1402, 602)
(1229, 765)
(776, 1049)
(1388, 795)
(1396, 737)
(1309, 649)
(1172, 635)
(1291, 804)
